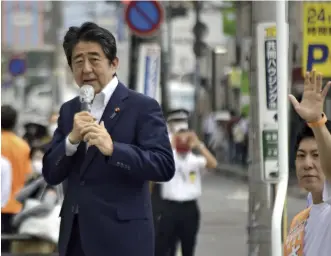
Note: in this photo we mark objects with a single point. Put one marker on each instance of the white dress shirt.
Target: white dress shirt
(6, 181)
(186, 183)
(98, 107)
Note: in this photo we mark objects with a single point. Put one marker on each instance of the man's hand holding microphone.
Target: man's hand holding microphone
(86, 127)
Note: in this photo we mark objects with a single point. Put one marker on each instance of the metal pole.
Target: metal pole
(197, 79)
(58, 87)
(260, 194)
(165, 55)
(282, 87)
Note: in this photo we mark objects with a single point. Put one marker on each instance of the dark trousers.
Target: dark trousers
(180, 222)
(74, 247)
(6, 228)
(158, 205)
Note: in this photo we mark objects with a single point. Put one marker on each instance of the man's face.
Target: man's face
(182, 142)
(176, 125)
(91, 66)
(308, 166)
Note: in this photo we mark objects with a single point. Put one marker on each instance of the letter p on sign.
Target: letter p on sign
(317, 54)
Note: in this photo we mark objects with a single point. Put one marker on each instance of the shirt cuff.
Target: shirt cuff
(70, 148)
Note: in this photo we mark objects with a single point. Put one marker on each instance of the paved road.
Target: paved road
(224, 216)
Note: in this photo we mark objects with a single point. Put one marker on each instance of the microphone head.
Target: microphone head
(86, 93)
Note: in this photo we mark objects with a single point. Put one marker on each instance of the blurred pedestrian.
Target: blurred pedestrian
(234, 118)
(176, 119)
(35, 132)
(220, 137)
(181, 220)
(209, 126)
(240, 139)
(17, 152)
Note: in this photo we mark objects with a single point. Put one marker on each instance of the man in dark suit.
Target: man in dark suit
(107, 156)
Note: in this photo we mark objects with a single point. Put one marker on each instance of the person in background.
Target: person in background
(17, 152)
(176, 119)
(209, 126)
(310, 230)
(35, 132)
(36, 155)
(234, 118)
(220, 138)
(181, 220)
(6, 180)
(36, 189)
(240, 139)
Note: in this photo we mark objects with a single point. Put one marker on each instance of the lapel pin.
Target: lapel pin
(117, 110)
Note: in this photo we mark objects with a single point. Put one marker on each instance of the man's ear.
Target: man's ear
(115, 63)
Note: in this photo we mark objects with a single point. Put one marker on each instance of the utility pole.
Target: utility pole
(165, 42)
(200, 49)
(261, 194)
(59, 68)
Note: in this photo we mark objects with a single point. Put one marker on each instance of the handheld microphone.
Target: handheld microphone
(86, 96)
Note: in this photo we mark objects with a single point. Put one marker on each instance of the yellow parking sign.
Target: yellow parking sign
(317, 37)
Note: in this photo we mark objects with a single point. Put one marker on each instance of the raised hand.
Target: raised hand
(311, 106)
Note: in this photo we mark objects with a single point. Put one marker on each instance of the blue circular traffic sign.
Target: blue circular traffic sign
(144, 17)
(17, 66)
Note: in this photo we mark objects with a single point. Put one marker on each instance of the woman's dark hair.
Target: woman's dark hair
(306, 132)
(8, 117)
(89, 32)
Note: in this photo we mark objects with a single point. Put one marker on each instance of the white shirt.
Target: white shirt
(317, 240)
(186, 183)
(98, 107)
(325, 195)
(6, 180)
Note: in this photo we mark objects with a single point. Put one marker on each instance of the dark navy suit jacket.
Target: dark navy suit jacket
(112, 193)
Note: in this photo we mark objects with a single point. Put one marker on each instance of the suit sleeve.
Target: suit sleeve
(56, 165)
(151, 158)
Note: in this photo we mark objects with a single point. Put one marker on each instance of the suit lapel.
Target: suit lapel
(111, 114)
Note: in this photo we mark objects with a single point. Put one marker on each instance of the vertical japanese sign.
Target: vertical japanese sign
(317, 37)
(267, 98)
(23, 24)
(271, 71)
(267, 71)
(148, 81)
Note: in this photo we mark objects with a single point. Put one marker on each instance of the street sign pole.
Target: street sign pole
(283, 159)
(144, 19)
(263, 168)
(165, 42)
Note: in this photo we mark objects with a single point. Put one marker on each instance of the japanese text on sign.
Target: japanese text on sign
(271, 73)
(151, 76)
(270, 145)
(317, 37)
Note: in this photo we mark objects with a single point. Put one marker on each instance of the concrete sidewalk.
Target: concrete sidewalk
(238, 172)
